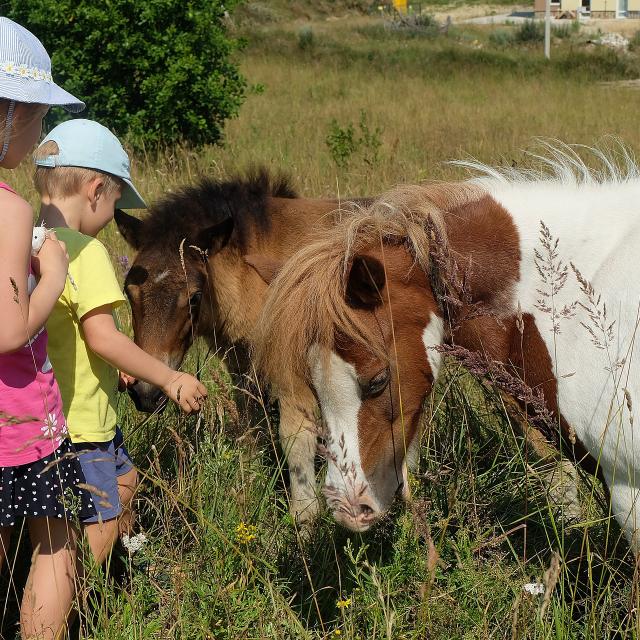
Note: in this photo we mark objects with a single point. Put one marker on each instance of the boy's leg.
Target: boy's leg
(108, 468)
(50, 590)
(127, 485)
(103, 535)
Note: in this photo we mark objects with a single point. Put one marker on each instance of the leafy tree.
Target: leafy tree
(155, 71)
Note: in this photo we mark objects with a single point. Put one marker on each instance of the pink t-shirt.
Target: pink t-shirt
(32, 424)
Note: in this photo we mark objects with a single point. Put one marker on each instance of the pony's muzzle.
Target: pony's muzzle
(147, 398)
(356, 513)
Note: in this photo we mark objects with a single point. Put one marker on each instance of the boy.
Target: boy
(82, 175)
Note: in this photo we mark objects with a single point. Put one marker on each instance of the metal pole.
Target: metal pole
(547, 29)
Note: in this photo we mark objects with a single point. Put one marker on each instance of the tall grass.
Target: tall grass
(481, 525)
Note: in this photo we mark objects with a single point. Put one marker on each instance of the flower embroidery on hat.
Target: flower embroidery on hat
(23, 71)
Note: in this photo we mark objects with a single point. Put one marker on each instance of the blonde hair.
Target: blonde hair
(62, 182)
(28, 112)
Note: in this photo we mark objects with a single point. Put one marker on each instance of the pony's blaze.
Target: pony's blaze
(371, 407)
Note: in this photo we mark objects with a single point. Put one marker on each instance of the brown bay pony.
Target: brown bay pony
(192, 276)
(529, 276)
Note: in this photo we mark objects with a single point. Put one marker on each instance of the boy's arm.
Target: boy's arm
(105, 340)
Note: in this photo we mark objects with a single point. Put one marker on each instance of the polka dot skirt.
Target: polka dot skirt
(45, 488)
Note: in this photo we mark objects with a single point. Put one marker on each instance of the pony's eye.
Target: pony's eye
(376, 385)
(194, 300)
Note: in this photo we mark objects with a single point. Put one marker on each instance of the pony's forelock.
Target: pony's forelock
(306, 306)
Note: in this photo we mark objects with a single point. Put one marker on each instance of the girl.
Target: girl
(39, 471)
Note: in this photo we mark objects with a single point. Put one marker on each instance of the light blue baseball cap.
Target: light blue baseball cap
(88, 144)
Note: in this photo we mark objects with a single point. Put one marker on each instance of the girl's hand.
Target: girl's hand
(52, 260)
(186, 391)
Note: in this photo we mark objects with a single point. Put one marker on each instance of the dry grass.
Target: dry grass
(452, 566)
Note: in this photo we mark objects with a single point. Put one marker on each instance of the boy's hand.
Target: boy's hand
(124, 381)
(186, 391)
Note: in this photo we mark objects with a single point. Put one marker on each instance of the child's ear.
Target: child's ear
(95, 189)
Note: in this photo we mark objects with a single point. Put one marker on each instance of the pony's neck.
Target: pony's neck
(238, 290)
(293, 221)
(483, 256)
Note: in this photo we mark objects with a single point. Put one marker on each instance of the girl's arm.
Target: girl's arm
(23, 316)
(104, 339)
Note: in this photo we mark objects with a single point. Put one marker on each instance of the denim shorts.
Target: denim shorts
(102, 464)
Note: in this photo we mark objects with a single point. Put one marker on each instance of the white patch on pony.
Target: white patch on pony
(338, 393)
(597, 226)
(432, 337)
(161, 276)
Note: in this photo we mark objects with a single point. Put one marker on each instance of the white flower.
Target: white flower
(134, 543)
(51, 430)
(533, 588)
(50, 425)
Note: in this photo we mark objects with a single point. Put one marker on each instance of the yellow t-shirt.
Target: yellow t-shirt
(87, 383)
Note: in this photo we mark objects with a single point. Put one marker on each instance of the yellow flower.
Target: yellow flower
(344, 603)
(337, 632)
(245, 533)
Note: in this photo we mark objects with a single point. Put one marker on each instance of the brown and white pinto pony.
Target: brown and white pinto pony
(192, 276)
(535, 273)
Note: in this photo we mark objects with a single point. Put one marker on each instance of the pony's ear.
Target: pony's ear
(215, 238)
(129, 227)
(365, 283)
(265, 266)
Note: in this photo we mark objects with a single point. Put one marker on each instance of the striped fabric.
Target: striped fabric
(25, 70)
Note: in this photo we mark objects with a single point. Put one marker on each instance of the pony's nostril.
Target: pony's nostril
(365, 510)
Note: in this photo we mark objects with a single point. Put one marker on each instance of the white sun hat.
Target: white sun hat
(25, 70)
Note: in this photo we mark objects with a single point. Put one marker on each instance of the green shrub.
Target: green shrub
(530, 31)
(634, 42)
(157, 72)
(566, 30)
(305, 38)
(501, 38)
(343, 143)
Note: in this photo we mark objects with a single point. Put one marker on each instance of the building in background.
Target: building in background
(593, 8)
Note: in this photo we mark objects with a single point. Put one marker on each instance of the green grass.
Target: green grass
(453, 563)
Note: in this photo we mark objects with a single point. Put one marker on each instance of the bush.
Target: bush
(156, 72)
(501, 38)
(305, 38)
(343, 143)
(530, 31)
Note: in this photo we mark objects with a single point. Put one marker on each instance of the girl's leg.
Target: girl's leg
(50, 590)
(103, 535)
(5, 540)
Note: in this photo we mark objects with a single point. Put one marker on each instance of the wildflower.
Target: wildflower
(124, 264)
(533, 588)
(337, 632)
(134, 543)
(245, 533)
(344, 603)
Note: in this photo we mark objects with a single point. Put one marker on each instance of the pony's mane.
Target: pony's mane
(306, 306)
(562, 164)
(208, 202)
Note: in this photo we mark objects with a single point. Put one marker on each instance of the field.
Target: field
(222, 558)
